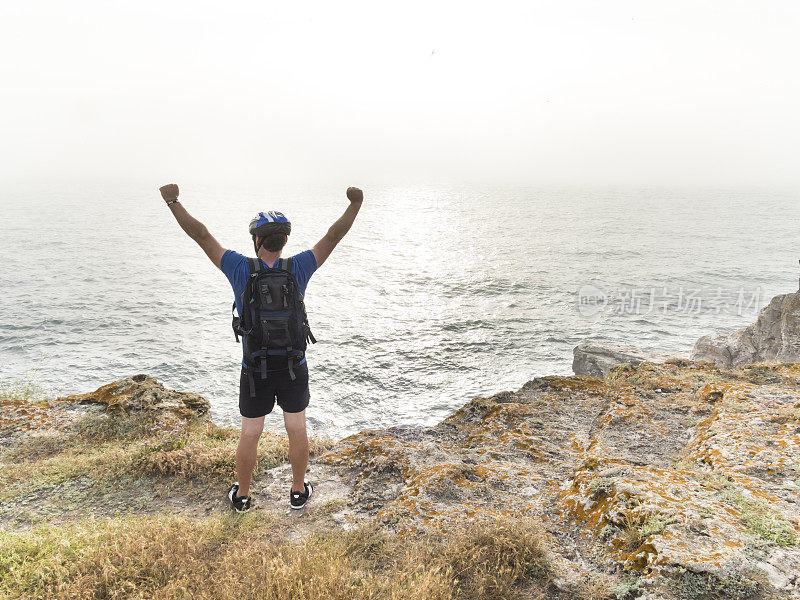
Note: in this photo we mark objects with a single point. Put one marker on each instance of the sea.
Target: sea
(439, 294)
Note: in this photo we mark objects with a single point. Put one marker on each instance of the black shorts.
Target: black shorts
(292, 396)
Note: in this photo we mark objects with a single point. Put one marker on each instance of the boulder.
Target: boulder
(143, 393)
(774, 337)
(595, 359)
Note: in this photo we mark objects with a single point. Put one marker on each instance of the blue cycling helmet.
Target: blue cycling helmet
(270, 222)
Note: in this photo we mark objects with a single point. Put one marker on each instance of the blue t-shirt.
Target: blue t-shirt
(236, 269)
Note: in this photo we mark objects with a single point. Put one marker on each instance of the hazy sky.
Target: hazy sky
(585, 92)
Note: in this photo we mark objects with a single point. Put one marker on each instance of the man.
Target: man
(288, 385)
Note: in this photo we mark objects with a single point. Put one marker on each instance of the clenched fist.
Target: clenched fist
(169, 192)
(353, 194)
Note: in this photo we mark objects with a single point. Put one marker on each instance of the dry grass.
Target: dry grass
(636, 527)
(209, 451)
(630, 536)
(166, 556)
(87, 435)
(104, 448)
(224, 557)
(23, 390)
(134, 463)
(489, 559)
(598, 587)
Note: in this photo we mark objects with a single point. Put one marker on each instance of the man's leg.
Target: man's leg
(298, 447)
(247, 452)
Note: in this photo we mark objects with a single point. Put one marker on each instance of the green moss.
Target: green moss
(704, 586)
(760, 518)
(770, 526)
(654, 525)
(761, 374)
(625, 589)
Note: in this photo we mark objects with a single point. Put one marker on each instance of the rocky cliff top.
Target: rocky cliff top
(659, 470)
(674, 480)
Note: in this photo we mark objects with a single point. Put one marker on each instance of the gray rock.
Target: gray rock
(783, 569)
(774, 337)
(143, 393)
(595, 359)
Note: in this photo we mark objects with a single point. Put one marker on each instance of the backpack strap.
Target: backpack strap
(292, 376)
(247, 294)
(285, 264)
(251, 383)
(255, 265)
(248, 304)
(309, 336)
(263, 364)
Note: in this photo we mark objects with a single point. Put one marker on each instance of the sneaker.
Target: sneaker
(238, 503)
(298, 499)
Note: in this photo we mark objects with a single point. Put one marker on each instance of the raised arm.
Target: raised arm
(322, 250)
(193, 228)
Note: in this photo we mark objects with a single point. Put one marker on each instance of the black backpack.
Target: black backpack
(273, 322)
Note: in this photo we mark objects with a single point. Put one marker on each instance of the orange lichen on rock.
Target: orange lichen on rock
(680, 520)
(688, 526)
(713, 392)
(561, 384)
(19, 417)
(414, 487)
(659, 466)
(672, 375)
(142, 392)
